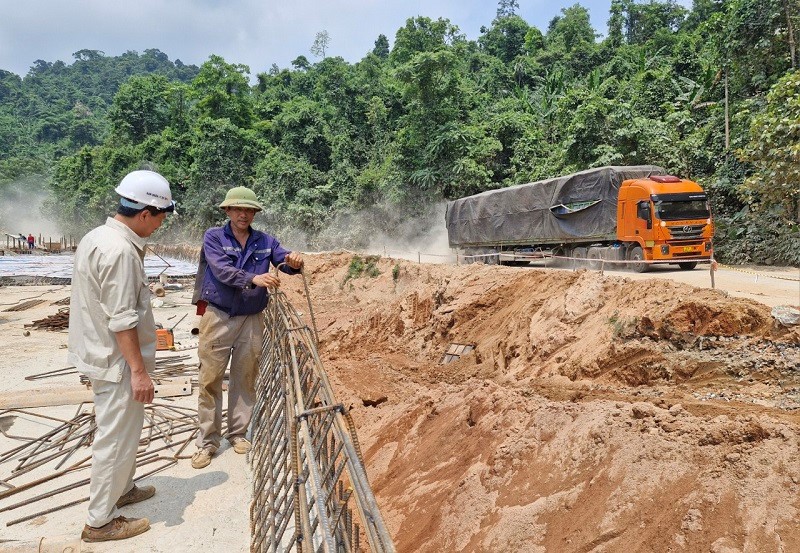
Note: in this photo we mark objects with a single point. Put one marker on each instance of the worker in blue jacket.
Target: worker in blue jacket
(232, 295)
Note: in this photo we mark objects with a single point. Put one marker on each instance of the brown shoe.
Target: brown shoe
(136, 494)
(241, 445)
(118, 529)
(202, 458)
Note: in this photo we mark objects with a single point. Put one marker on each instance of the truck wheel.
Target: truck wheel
(578, 254)
(636, 258)
(594, 256)
(687, 265)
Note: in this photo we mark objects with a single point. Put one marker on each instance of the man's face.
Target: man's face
(151, 222)
(241, 217)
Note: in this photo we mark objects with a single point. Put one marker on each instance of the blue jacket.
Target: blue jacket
(228, 276)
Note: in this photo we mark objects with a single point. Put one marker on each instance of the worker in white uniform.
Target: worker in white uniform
(112, 340)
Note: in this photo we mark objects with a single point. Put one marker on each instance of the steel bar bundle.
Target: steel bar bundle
(310, 487)
(167, 428)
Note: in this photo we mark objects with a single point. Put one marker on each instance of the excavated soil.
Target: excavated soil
(595, 413)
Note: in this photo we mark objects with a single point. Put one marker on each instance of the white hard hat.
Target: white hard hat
(145, 188)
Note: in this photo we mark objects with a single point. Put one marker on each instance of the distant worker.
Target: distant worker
(233, 294)
(112, 340)
(31, 241)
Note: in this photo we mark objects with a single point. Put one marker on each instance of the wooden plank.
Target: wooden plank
(23, 399)
(174, 387)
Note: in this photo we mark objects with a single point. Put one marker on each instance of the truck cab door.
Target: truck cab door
(633, 218)
(641, 222)
(644, 213)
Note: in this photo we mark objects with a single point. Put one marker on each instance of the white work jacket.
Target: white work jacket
(109, 294)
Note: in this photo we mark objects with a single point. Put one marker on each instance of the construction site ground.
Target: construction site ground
(593, 412)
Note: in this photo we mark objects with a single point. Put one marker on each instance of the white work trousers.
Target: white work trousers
(119, 420)
(225, 339)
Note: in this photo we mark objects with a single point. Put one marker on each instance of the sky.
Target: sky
(256, 33)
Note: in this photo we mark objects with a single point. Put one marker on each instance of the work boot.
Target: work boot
(241, 445)
(119, 528)
(135, 495)
(202, 458)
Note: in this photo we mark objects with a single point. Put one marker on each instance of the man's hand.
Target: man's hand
(142, 386)
(294, 260)
(266, 280)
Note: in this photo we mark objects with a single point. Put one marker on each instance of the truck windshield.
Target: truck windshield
(674, 210)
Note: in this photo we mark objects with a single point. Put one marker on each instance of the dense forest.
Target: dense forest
(711, 94)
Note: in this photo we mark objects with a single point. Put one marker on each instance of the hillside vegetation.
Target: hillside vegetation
(711, 94)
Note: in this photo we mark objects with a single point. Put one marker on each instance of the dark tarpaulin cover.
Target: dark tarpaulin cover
(522, 214)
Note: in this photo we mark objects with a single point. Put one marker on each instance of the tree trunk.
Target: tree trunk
(790, 29)
(727, 117)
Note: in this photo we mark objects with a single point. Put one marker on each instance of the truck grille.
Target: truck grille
(687, 232)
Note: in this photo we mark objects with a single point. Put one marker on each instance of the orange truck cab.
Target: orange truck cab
(664, 218)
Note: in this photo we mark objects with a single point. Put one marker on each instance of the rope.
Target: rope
(738, 270)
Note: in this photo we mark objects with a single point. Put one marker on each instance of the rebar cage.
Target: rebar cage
(310, 488)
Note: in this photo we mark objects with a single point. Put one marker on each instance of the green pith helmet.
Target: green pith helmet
(241, 196)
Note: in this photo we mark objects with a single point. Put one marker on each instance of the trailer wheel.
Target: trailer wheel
(636, 258)
(687, 265)
(595, 256)
(578, 254)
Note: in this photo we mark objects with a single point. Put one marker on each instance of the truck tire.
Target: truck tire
(578, 254)
(687, 265)
(595, 256)
(636, 258)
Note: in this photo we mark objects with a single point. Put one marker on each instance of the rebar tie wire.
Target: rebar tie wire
(319, 480)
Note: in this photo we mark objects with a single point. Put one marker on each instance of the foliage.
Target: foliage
(774, 151)
(710, 93)
(772, 191)
(362, 266)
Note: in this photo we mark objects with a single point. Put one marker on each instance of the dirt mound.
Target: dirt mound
(595, 413)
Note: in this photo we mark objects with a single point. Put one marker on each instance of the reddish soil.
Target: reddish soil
(595, 413)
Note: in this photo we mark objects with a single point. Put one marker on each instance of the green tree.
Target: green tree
(506, 8)
(505, 39)
(642, 21)
(616, 23)
(381, 48)
(774, 151)
(221, 91)
(223, 155)
(422, 34)
(140, 108)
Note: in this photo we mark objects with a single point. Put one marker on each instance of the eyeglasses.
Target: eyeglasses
(159, 210)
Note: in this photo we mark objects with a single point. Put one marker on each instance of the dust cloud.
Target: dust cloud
(21, 209)
(420, 238)
(383, 230)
